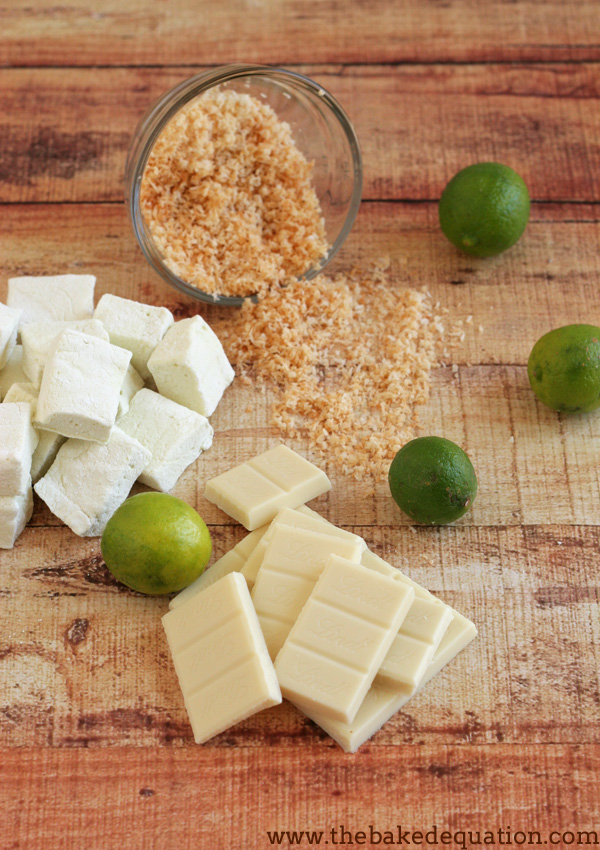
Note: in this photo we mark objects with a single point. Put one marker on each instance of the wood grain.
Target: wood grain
(550, 277)
(266, 31)
(95, 744)
(84, 662)
(187, 799)
(417, 126)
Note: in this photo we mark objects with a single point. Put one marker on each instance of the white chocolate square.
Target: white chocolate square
(134, 326)
(13, 371)
(88, 481)
(414, 646)
(382, 702)
(419, 636)
(340, 638)
(190, 366)
(175, 435)
(48, 442)
(15, 513)
(79, 394)
(301, 517)
(293, 561)
(220, 657)
(9, 325)
(253, 492)
(52, 298)
(17, 443)
(230, 562)
(38, 338)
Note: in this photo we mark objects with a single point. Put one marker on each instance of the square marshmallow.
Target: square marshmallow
(132, 384)
(9, 325)
(79, 394)
(23, 391)
(17, 443)
(87, 482)
(174, 434)
(37, 339)
(190, 366)
(134, 326)
(15, 513)
(54, 298)
(48, 442)
(13, 372)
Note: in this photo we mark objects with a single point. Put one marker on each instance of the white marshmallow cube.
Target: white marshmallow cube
(23, 391)
(134, 326)
(17, 443)
(132, 384)
(9, 325)
(13, 372)
(15, 513)
(37, 339)
(88, 481)
(55, 298)
(79, 394)
(48, 442)
(174, 434)
(190, 366)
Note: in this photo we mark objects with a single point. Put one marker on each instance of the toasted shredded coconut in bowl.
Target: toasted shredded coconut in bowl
(349, 358)
(228, 200)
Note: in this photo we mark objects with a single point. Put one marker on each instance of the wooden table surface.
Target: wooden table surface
(95, 747)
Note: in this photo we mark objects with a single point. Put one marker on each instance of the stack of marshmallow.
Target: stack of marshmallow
(77, 420)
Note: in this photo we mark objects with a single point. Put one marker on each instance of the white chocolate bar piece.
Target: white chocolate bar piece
(134, 326)
(419, 636)
(414, 646)
(342, 635)
(55, 298)
(220, 657)
(13, 371)
(18, 440)
(79, 394)
(230, 562)
(381, 702)
(254, 491)
(301, 517)
(173, 434)
(38, 338)
(9, 325)
(190, 366)
(88, 481)
(48, 442)
(15, 513)
(292, 564)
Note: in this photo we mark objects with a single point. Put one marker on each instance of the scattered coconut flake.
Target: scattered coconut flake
(347, 361)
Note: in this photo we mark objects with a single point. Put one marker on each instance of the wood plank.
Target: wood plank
(533, 466)
(44, 33)
(186, 799)
(514, 298)
(84, 662)
(67, 131)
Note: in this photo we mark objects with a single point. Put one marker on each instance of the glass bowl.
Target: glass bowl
(321, 130)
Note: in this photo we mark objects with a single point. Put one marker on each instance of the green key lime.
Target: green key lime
(564, 368)
(484, 209)
(156, 543)
(432, 480)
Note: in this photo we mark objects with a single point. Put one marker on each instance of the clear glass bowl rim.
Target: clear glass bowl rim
(165, 108)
